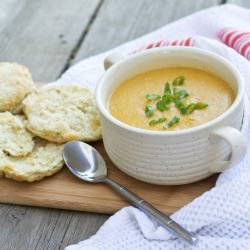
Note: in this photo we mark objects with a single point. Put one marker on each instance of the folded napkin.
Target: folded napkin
(221, 216)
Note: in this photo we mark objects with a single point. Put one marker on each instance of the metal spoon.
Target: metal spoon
(88, 165)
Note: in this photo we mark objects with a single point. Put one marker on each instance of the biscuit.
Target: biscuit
(63, 113)
(14, 139)
(15, 83)
(45, 160)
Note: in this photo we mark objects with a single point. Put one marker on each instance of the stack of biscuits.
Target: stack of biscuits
(36, 122)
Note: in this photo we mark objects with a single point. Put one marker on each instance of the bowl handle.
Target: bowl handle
(112, 59)
(237, 143)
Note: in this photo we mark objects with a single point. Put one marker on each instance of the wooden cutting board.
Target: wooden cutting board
(65, 191)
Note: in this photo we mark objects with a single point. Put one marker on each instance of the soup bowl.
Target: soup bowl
(172, 157)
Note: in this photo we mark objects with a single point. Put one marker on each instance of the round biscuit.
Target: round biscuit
(63, 113)
(15, 83)
(45, 160)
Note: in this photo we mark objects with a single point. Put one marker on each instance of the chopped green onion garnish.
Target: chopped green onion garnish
(200, 105)
(149, 110)
(179, 81)
(167, 98)
(175, 120)
(178, 93)
(153, 97)
(180, 105)
(156, 121)
(171, 94)
(189, 109)
(167, 89)
(161, 105)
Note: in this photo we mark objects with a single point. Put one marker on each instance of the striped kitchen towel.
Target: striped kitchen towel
(236, 39)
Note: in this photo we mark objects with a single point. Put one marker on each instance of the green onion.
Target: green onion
(161, 105)
(178, 93)
(189, 109)
(156, 121)
(180, 105)
(175, 120)
(167, 98)
(167, 89)
(200, 105)
(179, 81)
(171, 94)
(153, 97)
(149, 110)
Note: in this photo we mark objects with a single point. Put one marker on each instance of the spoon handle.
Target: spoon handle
(161, 218)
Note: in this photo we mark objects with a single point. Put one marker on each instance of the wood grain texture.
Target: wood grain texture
(118, 22)
(42, 34)
(33, 228)
(63, 190)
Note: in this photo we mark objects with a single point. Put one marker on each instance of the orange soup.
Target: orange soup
(170, 99)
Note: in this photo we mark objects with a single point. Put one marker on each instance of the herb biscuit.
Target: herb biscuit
(15, 140)
(15, 83)
(62, 113)
(45, 160)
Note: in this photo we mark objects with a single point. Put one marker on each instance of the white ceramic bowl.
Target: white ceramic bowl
(172, 157)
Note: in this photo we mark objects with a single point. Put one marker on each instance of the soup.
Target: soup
(170, 99)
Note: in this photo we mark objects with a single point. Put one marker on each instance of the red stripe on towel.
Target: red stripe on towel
(163, 43)
(238, 40)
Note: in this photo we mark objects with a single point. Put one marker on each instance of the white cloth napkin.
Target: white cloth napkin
(221, 216)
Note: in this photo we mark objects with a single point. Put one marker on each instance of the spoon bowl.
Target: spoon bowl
(85, 162)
